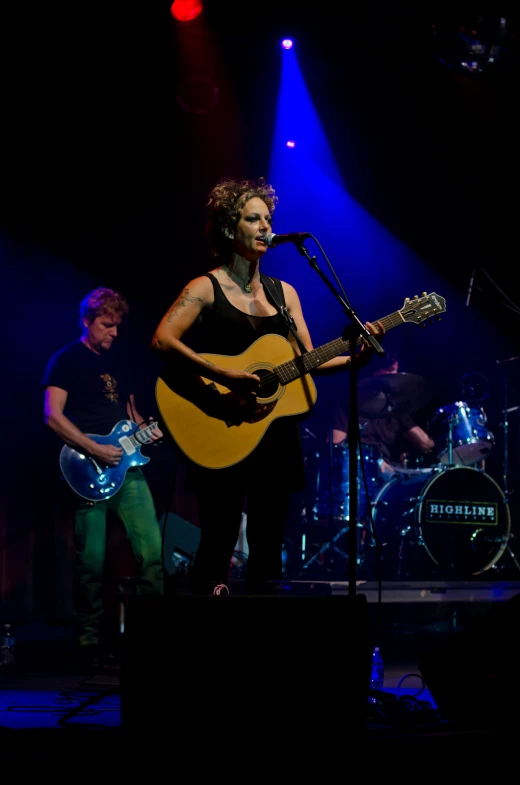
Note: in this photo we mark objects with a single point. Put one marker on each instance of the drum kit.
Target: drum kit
(442, 519)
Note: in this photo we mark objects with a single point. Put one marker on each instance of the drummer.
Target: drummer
(396, 436)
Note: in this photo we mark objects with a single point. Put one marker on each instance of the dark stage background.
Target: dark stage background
(104, 178)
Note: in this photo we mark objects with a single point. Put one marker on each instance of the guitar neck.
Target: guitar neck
(143, 435)
(307, 362)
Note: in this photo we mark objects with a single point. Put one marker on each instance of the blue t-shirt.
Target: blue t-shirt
(97, 390)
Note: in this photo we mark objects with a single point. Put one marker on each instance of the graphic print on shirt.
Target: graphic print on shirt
(110, 388)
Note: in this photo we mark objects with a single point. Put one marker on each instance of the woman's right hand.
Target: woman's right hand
(240, 382)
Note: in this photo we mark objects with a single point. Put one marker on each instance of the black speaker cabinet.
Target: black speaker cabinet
(472, 677)
(229, 664)
(180, 542)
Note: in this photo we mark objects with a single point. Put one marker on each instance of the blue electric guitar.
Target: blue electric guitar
(97, 482)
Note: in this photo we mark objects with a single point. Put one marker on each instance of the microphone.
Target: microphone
(272, 240)
(470, 288)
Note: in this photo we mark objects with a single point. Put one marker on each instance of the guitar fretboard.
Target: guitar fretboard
(144, 434)
(305, 363)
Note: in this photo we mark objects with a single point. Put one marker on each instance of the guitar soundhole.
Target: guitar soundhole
(268, 383)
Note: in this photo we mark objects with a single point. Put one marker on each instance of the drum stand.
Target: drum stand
(505, 426)
(505, 429)
(331, 545)
(451, 421)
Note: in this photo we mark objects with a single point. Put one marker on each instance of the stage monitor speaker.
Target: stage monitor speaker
(181, 540)
(472, 677)
(258, 664)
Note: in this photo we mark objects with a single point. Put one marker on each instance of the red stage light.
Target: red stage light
(186, 10)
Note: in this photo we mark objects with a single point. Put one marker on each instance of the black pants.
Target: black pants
(220, 512)
(261, 486)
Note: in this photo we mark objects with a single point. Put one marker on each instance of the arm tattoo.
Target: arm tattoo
(180, 302)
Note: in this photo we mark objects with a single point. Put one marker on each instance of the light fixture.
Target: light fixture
(186, 10)
(476, 45)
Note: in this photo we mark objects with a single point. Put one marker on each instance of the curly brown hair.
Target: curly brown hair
(102, 301)
(226, 201)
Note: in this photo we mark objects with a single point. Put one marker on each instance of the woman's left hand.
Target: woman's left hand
(367, 349)
(155, 433)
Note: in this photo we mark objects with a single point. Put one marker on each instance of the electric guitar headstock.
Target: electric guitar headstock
(420, 310)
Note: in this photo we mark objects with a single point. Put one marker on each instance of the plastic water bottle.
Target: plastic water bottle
(7, 658)
(377, 674)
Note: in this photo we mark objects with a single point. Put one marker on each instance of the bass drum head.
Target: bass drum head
(457, 515)
(465, 522)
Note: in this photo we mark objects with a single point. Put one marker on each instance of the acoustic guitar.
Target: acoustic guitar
(215, 428)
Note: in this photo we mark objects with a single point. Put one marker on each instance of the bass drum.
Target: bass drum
(458, 516)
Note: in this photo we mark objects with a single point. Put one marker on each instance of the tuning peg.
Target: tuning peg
(425, 294)
(416, 297)
(407, 299)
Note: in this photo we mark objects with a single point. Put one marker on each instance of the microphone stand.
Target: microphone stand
(351, 333)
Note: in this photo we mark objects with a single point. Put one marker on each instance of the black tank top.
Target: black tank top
(225, 329)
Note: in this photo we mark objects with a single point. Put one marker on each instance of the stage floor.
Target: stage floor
(59, 719)
(49, 704)
(427, 591)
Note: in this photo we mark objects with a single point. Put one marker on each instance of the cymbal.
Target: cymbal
(392, 393)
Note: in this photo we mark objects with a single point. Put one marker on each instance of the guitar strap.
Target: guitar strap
(269, 286)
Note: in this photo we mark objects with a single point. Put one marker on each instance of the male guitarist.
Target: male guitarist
(229, 309)
(86, 393)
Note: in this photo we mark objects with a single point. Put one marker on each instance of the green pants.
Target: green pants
(133, 504)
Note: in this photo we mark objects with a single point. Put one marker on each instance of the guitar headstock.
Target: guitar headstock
(420, 310)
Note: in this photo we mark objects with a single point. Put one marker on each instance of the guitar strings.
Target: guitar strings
(387, 321)
(272, 376)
